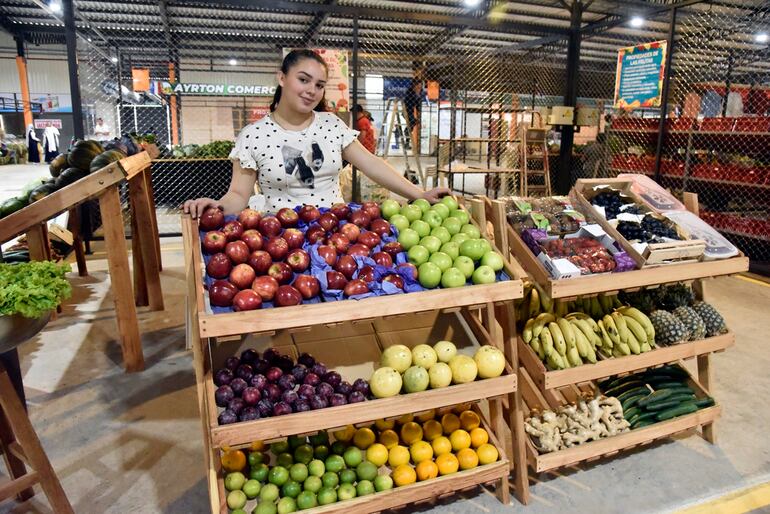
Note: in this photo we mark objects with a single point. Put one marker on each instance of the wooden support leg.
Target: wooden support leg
(117, 258)
(147, 174)
(73, 225)
(14, 464)
(147, 240)
(37, 241)
(140, 278)
(33, 451)
(704, 377)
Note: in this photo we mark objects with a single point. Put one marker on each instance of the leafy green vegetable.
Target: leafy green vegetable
(32, 288)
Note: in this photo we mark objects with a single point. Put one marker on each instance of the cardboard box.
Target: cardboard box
(336, 331)
(352, 357)
(446, 327)
(561, 268)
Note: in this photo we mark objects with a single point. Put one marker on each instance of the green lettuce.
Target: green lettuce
(32, 288)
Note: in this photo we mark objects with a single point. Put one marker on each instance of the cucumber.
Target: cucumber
(632, 401)
(631, 413)
(668, 385)
(682, 389)
(633, 419)
(672, 370)
(642, 423)
(622, 388)
(679, 410)
(702, 403)
(633, 392)
(647, 415)
(656, 396)
(670, 401)
(610, 383)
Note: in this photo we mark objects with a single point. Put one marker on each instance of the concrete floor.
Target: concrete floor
(132, 443)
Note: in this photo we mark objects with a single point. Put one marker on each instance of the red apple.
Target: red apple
(328, 253)
(294, 237)
(309, 213)
(242, 276)
(351, 231)
(336, 280)
(249, 218)
(287, 295)
(270, 226)
(366, 274)
(221, 293)
(370, 239)
(383, 259)
(287, 217)
(298, 259)
(219, 266)
(247, 300)
(339, 242)
(355, 287)
(307, 285)
(411, 267)
(253, 239)
(346, 265)
(265, 286)
(212, 219)
(261, 261)
(328, 221)
(392, 249)
(359, 249)
(371, 209)
(395, 280)
(314, 234)
(341, 210)
(380, 227)
(238, 251)
(281, 272)
(277, 247)
(233, 230)
(214, 241)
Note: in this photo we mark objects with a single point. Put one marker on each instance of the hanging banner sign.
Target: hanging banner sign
(141, 79)
(639, 77)
(182, 88)
(41, 124)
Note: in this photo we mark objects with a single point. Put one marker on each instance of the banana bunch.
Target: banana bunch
(534, 302)
(595, 306)
(625, 331)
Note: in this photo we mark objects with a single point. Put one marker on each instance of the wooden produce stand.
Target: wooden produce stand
(103, 185)
(482, 313)
(542, 388)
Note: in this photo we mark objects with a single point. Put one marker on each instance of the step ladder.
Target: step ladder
(395, 117)
(534, 156)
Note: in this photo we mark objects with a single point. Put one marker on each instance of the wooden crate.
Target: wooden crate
(611, 445)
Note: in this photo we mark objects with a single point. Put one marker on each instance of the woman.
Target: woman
(33, 154)
(365, 127)
(51, 143)
(296, 151)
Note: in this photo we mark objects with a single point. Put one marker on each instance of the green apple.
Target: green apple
(487, 246)
(306, 500)
(442, 233)
(432, 243)
(429, 275)
(451, 249)
(234, 481)
(399, 221)
(452, 277)
(465, 264)
(441, 209)
(483, 275)
(316, 468)
(442, 260)
(471, 230)
(459, 238)
(450, 202)
(453, 225)
(412, 212)
(346, 492)
(460, 215)
(383, 483)
(473, 248)
(408, 238)
(418, 254)
(432, 218)
(421, 227)
(389, 208)
(236, 499)
(422, 203)
(492, 259)
(287, 505)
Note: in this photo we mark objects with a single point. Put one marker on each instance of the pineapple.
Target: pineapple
(668, 329)
(692, 321)
(715, 324)
(671, 297)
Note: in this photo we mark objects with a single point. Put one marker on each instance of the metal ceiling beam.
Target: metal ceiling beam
(315, 24)
(163, 9)
(452, 32)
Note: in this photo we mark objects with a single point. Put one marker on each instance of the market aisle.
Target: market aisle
(132, 443)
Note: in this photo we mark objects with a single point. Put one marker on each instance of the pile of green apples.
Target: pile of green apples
(442, 244)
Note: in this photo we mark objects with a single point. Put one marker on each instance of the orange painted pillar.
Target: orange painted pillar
(21, 65)
(172, 101)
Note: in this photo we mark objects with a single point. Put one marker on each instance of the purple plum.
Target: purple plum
(324, 389)
(249, 414)
(289, 397)
(312, 379)
(319, 369)
(258, 381)
(248, 356)
(332, 378)
(227, 416)
(251, 395)
(281, 409)
(223, 377)
(344, 388)
(306, 391)
(260, 366)
(273, 392)
(236, 405)
(273, 374)
(244, 371)
(337, 399)
(355, 397)
(223, 395)
(232, 363)
(318, 402)
(362, 386)
(285, 363)
(238, 385)
(270, 355)
(307, 360)
(298, 372)
(287, 382)
(265, 408)
(301, 406)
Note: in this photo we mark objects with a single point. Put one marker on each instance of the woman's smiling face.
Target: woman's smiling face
(303, 86)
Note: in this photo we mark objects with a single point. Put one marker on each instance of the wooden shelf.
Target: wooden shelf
(548, 379)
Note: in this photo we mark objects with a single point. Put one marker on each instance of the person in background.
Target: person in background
(413, 106)
(101, 130)
(365, 127)
(51, 143)
(33, 153)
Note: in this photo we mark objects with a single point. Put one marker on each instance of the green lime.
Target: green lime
(306, 500)
(327, 495)
(279, 447)
(347, 476)
(330, 479)
(303, 453)
(313, 484)
(296, 441)
(256, 458)
(238, 511)
(236, 499)
(321, 438)
(286, 505)
(364, 487)
(252, 488)
(366, 471)
(265, 508)
(346, 492)
(285, 460)
(269, 493)
(335, 463)
(234, 481)
(338, 447)
(353, 457)
(278, 475)
(316, 468)
(321, 452)
(259, 472)
(383, 483)
(298, 472)
(291, 489)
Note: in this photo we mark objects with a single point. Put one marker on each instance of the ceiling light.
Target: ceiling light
(471, 3)
(114, 59)
(637, 21)
(762, 37)
(55, 6)
(232, 62)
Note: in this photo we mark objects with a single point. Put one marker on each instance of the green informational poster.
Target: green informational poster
(639, 78)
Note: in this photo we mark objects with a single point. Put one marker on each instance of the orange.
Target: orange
(389, 438)
(460, 440)
(257, 446)
(487, 454)
(421, 451)
(364, 438)
(383, 424)
(398, 456)
(450, 422)
(426, 470)
(431, 430)
(447, 463)
(461, 407)
(346, 434)
(233, 460)
(404, 475)
(411, 432)
(469, 420)
(422, 417)
(467, 458)
(377, 454)
(441, 445)
(479, 436)
(406, 418)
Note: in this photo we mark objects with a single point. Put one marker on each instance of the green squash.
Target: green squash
(105, 158)
(10, 206)
(58, 165)
(69, 176)
(82, 153)
(40, 192)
